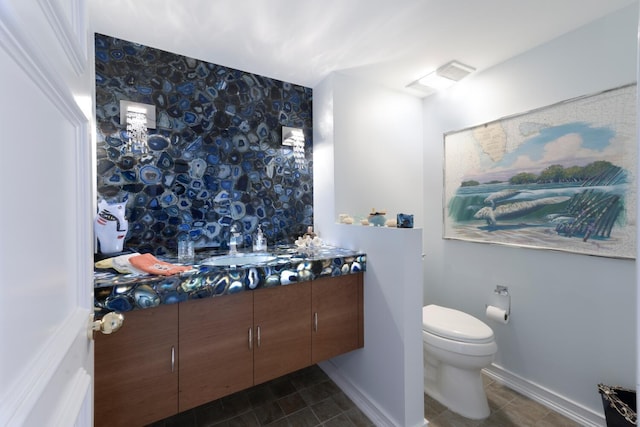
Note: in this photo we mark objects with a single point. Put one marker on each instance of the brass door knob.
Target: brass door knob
(109, 323)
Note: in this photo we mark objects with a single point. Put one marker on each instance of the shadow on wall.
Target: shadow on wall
(216, 156)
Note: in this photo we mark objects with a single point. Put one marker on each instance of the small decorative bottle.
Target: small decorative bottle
(310, 232)
(259, 241)
(377, 218)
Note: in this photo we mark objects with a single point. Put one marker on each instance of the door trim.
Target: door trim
(35, 65)
(70, 35)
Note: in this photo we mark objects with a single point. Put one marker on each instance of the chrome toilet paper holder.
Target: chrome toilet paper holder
(502, 290)
(502, 299)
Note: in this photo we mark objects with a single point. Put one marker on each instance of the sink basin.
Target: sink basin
(238, 259)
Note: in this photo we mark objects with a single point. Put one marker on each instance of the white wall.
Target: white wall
(378, 156)
(573, 316)
(385, 377)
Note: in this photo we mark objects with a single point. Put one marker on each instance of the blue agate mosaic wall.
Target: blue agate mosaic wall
(215, 158)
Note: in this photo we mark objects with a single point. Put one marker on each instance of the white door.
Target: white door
(46, 200)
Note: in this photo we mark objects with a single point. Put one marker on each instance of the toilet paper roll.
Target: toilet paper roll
(497, 314)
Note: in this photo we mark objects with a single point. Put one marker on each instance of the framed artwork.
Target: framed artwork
(562, 177)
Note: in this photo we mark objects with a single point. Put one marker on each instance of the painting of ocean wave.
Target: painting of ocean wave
(562, 177)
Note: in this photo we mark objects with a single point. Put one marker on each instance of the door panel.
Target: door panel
(136, 377)
(336, 310)
(282, 319)
(46, 246)
(216, 358)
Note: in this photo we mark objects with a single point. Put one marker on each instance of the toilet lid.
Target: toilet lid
(455, 325)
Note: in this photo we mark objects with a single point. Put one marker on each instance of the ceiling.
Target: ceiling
(391, 43)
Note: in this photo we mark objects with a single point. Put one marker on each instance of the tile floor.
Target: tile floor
(309, 398)
(508, 409)
(303, 398)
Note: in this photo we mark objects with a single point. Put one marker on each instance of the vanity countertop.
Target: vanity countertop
(114, 291)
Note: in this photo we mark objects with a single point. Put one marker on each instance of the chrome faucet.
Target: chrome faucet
(233, 239)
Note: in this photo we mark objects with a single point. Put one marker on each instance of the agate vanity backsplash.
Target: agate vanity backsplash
(215, 158)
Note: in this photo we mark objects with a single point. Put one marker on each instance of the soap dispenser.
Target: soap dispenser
(259, 241)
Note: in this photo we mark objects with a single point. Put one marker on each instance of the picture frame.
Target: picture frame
(561, 177)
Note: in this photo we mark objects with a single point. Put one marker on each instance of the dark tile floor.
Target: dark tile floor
(303, 398)
(508, 409)
(309, 398)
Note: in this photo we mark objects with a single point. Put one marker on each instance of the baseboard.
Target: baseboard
(576, 412)
(360, 399)
(357, 397)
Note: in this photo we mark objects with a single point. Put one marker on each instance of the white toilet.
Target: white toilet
(456, 348)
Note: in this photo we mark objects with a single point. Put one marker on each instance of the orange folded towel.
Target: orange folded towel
(152, 265)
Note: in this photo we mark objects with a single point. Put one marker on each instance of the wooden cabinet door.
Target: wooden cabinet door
(136, 379)
(337, 310)
(282, 325)
(216, 358)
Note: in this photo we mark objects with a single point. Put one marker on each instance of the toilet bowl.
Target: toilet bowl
(456, 348)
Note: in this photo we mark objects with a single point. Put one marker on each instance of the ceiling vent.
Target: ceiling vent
(455, 71)
(442, 78)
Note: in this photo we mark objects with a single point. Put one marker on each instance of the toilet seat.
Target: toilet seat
(455, 325)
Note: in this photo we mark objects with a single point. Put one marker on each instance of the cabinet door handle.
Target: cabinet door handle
(258, 333)
(250, 338)
(315, 322)
(173, 359)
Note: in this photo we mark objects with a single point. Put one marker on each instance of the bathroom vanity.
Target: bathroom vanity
(193, 338)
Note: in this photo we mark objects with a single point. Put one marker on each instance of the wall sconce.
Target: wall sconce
(294, 137)
(442, 78)
(138, 117)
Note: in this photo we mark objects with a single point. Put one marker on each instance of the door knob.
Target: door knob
(109, 323)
